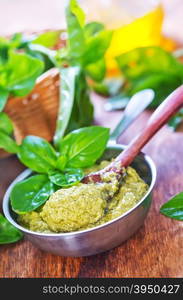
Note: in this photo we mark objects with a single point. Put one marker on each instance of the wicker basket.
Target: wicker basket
(36, 113)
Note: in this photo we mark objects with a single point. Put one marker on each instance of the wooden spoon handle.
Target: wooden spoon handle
(160, 117)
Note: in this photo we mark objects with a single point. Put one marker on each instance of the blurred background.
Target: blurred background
(20, 15)
(136, 23)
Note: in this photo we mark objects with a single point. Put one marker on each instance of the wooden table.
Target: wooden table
(154, 251)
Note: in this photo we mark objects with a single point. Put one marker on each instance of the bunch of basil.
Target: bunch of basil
(84, 56)
(23, 59)
(18, 72)
(62, 168)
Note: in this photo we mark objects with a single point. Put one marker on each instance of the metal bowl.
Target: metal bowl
(100, 238)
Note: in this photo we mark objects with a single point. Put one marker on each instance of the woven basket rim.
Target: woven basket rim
(51, 72)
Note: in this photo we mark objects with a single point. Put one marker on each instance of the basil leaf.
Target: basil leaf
(16, 41)
(162, 85)
(7, 143)
(100, 88)
(109, 86)
(67, 95)
(20, 73)
(174, 207)
(147, 60)
(92, 28)
(75, 21)
(3, 97)
(97, 70)
(77, 11)
(151, 67)
(5, 123)
(48, 39)
(37, 154)
(61, 163)
(96, 47)
(31, 193)
(68, 178)
(84, 146)
(8, 233)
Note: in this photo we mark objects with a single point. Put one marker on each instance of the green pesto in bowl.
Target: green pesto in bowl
(85, 206)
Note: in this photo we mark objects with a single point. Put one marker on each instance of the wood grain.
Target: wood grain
(154, 251)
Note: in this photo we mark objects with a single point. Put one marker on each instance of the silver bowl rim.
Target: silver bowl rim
(27, 172)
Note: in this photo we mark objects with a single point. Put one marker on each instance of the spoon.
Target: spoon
(160, 117)
(137, 104)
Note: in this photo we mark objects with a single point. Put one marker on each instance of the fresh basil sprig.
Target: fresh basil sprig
(174, 207)
(8, 233)
(75, 19)
(55, 169)
(88, 43)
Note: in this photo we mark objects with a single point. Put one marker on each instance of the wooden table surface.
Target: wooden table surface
(154, 251)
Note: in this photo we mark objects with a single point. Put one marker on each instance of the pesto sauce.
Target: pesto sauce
(87, 205)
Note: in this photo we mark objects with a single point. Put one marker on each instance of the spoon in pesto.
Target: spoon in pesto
(159, 118)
